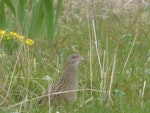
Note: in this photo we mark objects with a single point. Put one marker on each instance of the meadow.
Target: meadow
(36, 38)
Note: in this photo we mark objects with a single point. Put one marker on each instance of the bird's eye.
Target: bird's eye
(73, 56)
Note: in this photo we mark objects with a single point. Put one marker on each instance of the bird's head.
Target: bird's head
(74, 60)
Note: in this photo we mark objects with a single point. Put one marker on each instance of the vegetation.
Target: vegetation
(113, 38)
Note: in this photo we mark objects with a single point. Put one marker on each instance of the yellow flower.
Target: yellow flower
(3, 33)
(29, 42)
(21, 38)
(13, 34)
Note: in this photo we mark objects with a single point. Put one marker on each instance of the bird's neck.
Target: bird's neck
(71, 70)
(71, 73)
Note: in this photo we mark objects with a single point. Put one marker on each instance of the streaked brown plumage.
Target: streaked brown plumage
(68, 81)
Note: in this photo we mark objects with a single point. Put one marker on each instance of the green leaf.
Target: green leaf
(21, 14)
(2, 15)
(49, 14)
(10, 6)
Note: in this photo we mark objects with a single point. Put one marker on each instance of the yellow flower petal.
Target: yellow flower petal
(21, 38)
(13, 34)
(2, 32)
(29, 42)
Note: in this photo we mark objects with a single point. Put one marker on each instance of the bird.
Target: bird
(64, 90)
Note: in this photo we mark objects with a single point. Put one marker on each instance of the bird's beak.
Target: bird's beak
(80, 58)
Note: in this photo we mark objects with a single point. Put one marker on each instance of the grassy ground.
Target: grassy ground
(115, 76)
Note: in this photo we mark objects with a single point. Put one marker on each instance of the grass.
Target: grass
(115, 76)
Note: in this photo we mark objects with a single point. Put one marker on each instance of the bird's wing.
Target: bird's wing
(58, 87)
